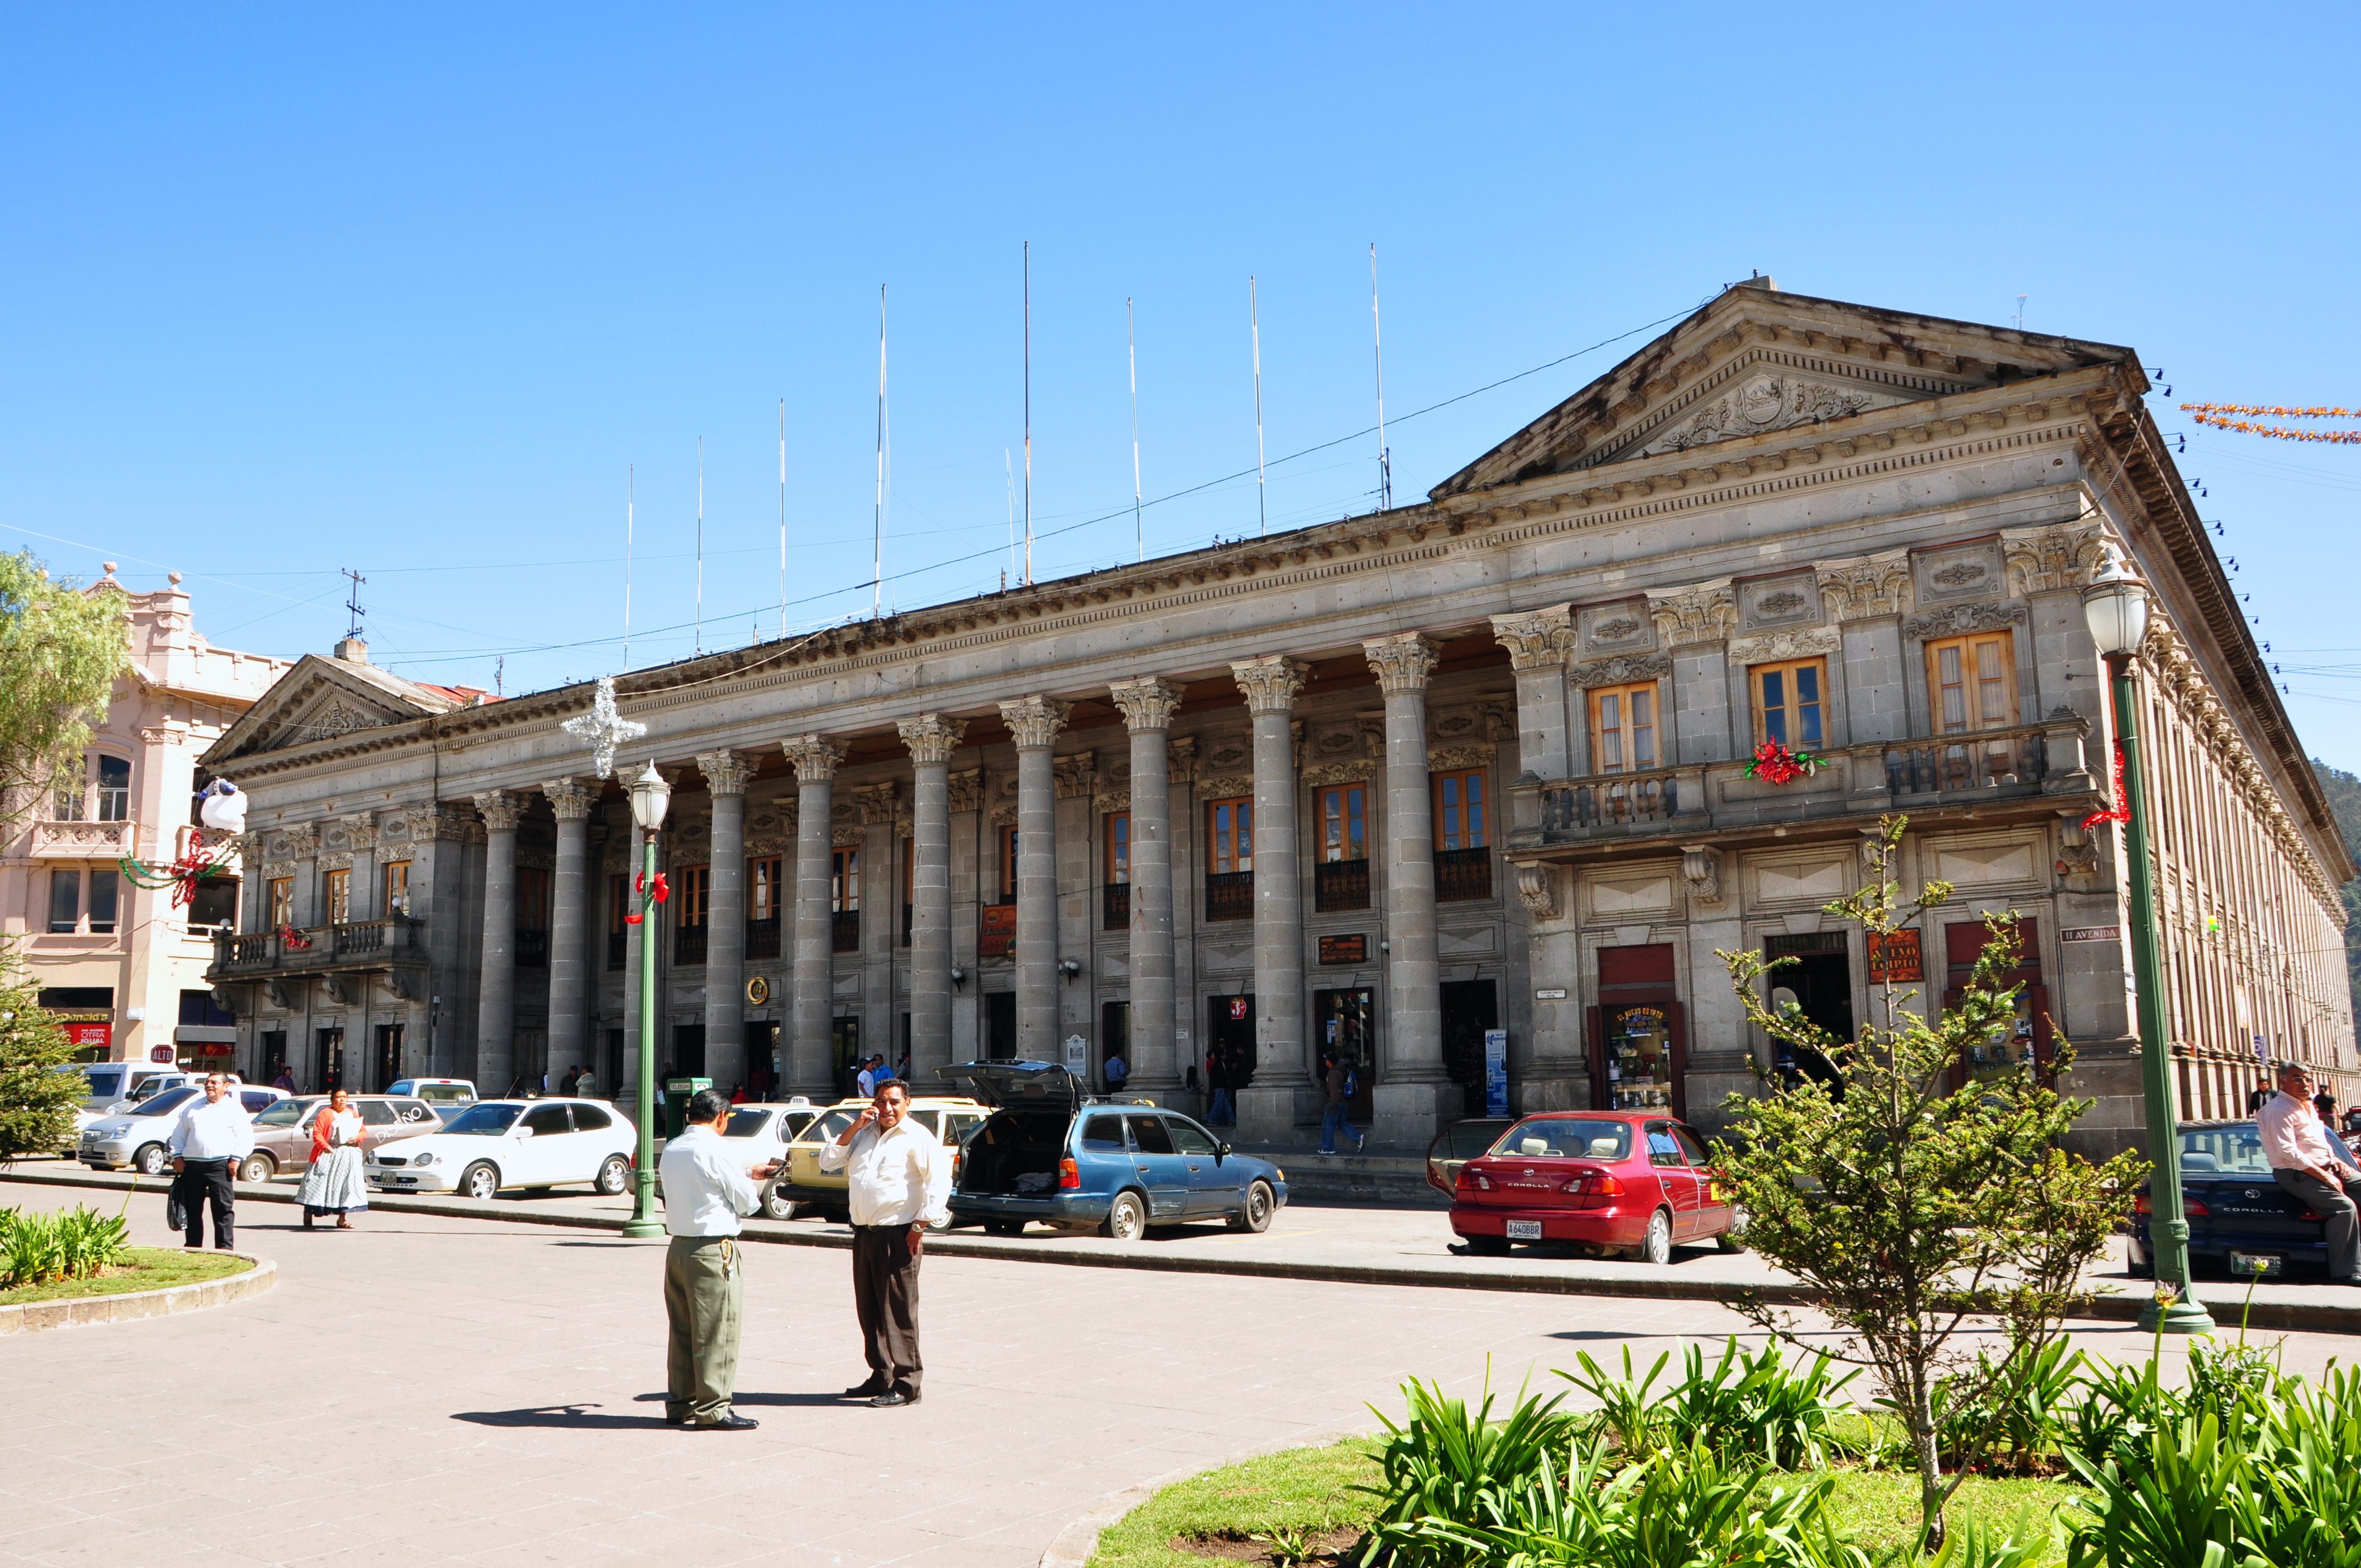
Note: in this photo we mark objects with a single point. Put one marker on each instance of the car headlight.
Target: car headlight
(1280, 1172)
(421, 1161)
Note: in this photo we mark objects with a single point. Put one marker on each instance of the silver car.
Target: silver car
(140, 1137)
(282, 1135)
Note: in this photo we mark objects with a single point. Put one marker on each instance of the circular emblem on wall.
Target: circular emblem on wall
(758, 989)
(1760, 401)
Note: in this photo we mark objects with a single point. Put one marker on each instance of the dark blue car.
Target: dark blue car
(2241, 1220)
(1051, 1153)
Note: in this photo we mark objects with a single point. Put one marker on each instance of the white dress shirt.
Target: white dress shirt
(705, 1187)
(2293, 1138)
(900, 1178)
(866, 1081)
(219, 1129)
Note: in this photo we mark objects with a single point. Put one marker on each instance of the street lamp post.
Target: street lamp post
(2116, 606)
(650, 796)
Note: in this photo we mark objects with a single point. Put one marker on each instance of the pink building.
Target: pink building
(121, 965)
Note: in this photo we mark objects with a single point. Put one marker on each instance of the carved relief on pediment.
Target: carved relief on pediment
(1792, 598)
(1623, 670)
(1766, 402)
(1776, 647)
(1614, 627)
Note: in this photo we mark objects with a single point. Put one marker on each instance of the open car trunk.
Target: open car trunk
(1015, 1154)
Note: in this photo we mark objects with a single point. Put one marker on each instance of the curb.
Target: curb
(83, 1312)
(1075, 1544)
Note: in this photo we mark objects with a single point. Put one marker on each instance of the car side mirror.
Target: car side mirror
(523, 1133)
(1221, 1151)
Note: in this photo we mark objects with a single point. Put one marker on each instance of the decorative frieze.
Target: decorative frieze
(1469, 754)
(1221, 786)
(847, 837)
(967, 790)
(876, 802)
(1771, 647)
(1111, 800)
(1959, 620)
(1621, 670)
(1320, 775)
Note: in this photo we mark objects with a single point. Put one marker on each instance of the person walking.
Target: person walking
(2304, 1165)
(704, 1193)
(900, 1182)
(209, 1142)
(333, 1183)
(587, 1086)
(1337, 1083)
(286, 1080)
(565, 1085)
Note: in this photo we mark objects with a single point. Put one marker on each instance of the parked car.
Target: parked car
(1051, 1153)
(2241, 1220)
(1638, 1185)
(69, 1141)
(137, 1137)
(804, 1185)
(766, 1130)
(1456, 1145)
(496, 1144)
(434, 1090)
(282, 1135)
(113, 1085)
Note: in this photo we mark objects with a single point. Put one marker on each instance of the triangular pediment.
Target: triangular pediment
(324, 699)
(1754, 362)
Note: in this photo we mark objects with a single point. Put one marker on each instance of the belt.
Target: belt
(207, 1159)
(897, 1225)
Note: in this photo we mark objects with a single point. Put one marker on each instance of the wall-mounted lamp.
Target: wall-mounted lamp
(1070, 969)
(1384, 946)
(958, 976)
(136, 1014)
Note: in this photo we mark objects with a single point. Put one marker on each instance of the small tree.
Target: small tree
(1920, 1212)
(61, 647)
(35, 1100)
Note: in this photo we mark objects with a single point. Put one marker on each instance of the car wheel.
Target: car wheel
(1734, 1238)
(150, 1160)
(778, 1205)
(1127, 1219)
(258, 1167)
(1003, 1227)
(1255, 1215)
(480, 1182)
(1658, 1247)
(613, 1175)
(1487, 1246)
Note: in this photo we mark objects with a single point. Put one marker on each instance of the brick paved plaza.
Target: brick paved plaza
(438, 1390)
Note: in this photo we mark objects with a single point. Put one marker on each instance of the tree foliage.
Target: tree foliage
(1925, 1215)
(36, 1100)
(61, 647)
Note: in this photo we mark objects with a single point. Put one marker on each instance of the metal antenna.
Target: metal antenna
(783, 516)
(630, 502)
(1378, 344)
(698, 647)
(2020, 312)
(1254, 319)
(1029, 413)
(877, 561)
(1131, 346)
(352, 602)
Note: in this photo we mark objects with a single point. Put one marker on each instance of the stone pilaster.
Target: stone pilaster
(569, 975)
(1146, 707)
(726, 774)
(810, 1069)
(1267, 1107)
(1034, 722)
(496, 1064)
(1538, 642)
(931, 738)
(1414, 1097)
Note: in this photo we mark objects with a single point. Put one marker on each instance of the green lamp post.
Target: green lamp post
(650, 796)
(2115, 604)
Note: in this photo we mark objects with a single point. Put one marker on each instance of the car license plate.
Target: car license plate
(1524, 1230)
(2256, 1262)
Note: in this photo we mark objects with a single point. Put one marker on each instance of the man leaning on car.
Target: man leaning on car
(2304, 1163)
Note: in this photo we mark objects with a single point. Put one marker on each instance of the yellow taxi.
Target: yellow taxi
(804, 1188)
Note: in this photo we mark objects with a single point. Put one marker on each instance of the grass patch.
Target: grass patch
(1303, 1488)
(1882, 1505)
(146, 1269)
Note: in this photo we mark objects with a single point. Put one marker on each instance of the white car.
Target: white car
(760, 1133)
(495, 1144)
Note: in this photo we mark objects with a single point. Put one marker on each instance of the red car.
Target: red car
(1640, 1185)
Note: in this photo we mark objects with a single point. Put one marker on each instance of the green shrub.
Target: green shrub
(1440, 1462)
(2016, 1418)
(1749, 1404)
(40, 1249)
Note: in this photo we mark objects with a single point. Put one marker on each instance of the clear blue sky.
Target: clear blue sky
(410, 289)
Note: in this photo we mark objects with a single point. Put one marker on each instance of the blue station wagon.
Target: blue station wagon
(1051, 1153)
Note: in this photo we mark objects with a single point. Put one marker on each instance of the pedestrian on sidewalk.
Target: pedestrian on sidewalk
(286, 1080)
(1223, 1109)
(1117, 1072)
(586, 1087)
(333, 1182)
(209, 1142)
(572, 1080)
(864, 1082)
(1336, 1081)
(899, 1180)
(2304, 1165)
(706, 1192)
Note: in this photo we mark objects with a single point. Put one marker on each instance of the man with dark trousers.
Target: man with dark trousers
(209, 1142)
(900, 1182)
(2304, 1165)
(705, 1189)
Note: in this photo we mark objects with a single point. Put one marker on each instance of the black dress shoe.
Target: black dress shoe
(893, 1398)
(733, 1421)
(868, 1391)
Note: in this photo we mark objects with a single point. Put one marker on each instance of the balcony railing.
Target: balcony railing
(1462, 875)
(1229, 895)
(1340, 885)
(618, 944)
(533, 950)
(355, 945)
(90, 840)
(844, 931)
(763, 939)
(1114, 906)
(688, 945)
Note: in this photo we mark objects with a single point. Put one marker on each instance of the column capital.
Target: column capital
(932, 737)
(1147, 703)
(1271, 682)
(1536, 638)
(726, 773)
(1702, 612)
(499, 808)
(570, 798)
(1035, 720)
(1402, 662)
(815, 757)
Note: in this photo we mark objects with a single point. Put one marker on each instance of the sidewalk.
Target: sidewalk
(1337, 1243)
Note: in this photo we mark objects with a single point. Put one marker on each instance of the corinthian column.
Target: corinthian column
(808, 1068)
(569, 979)
(1146, 707)
(1035, 722)
(1414, 1096)
(726, 774)
(931, 739)
(1267, 1107)
(496, 1006)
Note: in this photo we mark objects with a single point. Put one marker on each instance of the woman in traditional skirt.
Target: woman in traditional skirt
(332, 1184)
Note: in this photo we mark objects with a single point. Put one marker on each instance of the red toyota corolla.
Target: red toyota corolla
(1622, 1184)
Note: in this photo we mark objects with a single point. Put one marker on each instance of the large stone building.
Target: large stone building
(1386, 783)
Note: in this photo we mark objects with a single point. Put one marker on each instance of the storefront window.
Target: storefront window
(1639, 1059)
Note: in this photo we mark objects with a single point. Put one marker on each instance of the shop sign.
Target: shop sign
(1496, 1072)
(1237, 1008)
(2091, 934)
(1352, 950)
(211, 1047)
(84, 1037)
(999, 937)
(1894, 957)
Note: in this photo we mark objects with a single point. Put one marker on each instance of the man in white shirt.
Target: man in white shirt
(900, 1181)
(864, 1082)
(2304, 1163)
(209, 1142)
(705, 1189)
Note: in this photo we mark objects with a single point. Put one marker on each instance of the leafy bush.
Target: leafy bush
(2011, 1422)
(1751, 1405)
(39, 1249)
(1439, 1463)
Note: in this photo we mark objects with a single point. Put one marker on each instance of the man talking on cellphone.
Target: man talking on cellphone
(900, 1180)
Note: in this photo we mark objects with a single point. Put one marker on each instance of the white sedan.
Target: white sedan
(495, 1144)
(762, 1133)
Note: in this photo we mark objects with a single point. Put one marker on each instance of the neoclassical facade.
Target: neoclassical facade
(1383, 785)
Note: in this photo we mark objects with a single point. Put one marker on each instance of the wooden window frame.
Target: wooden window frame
(692, 894)
(1967, 647)
(280, 891)
(394, 899)
(1116, 832)
(338, 887)
(1347, 807)
(1217, 836)
(1626, 726)
(537, 895)
(762, 894)
(1004, 852)
(1475, 837)
(1792, 708)
(844, 879)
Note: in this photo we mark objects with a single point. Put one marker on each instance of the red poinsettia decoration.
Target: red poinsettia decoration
(294, 941)
(640, 884)
(2122, 810)
(1774, 764)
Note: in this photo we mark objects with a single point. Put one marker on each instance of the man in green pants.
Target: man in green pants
(705, 1272)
